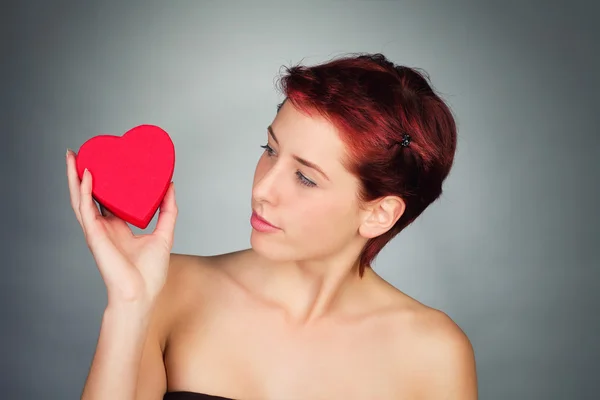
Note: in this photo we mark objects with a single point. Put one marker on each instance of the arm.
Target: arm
(134, 269)
(128, 363)
(125, 338)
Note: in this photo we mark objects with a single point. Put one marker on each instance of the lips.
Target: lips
(263, 220)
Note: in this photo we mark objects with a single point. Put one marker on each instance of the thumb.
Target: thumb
(165, 226)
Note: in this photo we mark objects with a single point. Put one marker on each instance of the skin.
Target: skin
(289, 318)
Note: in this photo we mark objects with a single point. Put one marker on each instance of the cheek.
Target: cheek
(325, 218)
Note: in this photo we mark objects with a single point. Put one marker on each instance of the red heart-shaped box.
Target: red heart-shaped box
(131, 173)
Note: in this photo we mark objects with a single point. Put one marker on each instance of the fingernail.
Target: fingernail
(67, 155)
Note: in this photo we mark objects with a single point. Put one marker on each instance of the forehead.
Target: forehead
(311, 137)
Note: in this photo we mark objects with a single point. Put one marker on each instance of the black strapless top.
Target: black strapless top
(182, 395)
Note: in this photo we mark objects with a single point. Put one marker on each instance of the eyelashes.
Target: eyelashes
(303, 180)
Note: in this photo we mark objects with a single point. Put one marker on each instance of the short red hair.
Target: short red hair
(373, 103)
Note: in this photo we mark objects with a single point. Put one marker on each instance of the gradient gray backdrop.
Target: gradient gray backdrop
(510, 251)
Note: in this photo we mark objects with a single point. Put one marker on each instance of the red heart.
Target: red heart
(131, 173)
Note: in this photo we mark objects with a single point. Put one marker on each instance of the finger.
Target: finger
(87, 208)
(165, 226)
(74, 185)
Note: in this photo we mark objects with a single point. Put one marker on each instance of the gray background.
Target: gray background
(510, 251)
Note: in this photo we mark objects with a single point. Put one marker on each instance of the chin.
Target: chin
(271, 248)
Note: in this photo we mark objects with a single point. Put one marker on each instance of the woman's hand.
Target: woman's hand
(134, 268)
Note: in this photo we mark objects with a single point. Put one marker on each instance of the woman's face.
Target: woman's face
(315, 208)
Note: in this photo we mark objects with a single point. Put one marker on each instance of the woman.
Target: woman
(357, 151)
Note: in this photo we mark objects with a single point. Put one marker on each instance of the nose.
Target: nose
(265, 185)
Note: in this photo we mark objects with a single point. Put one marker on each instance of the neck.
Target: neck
(308, 290)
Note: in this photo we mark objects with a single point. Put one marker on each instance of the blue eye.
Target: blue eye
(300, 177)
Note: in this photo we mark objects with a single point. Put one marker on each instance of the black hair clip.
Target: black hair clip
(405, 140)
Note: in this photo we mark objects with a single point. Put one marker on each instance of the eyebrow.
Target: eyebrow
(300, 160)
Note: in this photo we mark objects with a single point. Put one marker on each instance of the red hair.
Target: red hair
(373, 103)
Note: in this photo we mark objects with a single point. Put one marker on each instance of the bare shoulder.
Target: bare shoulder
(187, 279)
(193, 276)
(191, 279)
(442, 341)
(442, 357)
(186, 272)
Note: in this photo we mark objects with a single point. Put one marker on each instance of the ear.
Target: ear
(381, 215)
